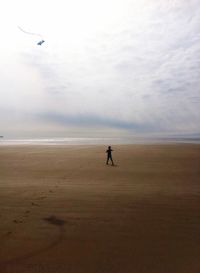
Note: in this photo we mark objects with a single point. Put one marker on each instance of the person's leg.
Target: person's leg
(111, 160)
(107, 160)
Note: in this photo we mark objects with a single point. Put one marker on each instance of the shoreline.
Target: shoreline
(101, 141)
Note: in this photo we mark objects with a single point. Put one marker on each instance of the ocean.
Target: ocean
(97, 141)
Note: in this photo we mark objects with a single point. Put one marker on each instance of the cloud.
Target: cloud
(91, 120)
(138, 69)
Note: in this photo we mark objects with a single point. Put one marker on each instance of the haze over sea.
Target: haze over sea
(98, 141)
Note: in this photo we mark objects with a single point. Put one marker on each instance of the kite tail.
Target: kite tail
(30, 33)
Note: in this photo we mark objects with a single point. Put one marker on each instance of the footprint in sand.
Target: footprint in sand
(26, 213)
(41, 197)
(34, 204)
(17, 221)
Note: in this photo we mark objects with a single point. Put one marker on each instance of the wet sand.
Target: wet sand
(63, 210)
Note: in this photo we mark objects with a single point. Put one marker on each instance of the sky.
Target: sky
(107, 68)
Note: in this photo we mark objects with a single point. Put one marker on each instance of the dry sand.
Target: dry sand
(62, 210)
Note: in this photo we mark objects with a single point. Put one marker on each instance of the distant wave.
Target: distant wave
(96, 141)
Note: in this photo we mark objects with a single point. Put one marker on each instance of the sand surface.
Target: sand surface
(62, 210)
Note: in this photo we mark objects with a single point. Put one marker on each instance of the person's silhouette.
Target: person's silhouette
(109, 155)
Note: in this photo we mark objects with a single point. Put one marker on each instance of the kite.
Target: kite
(40, 42)
(31, 33)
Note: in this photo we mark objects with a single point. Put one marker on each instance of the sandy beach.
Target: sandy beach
(63, 210)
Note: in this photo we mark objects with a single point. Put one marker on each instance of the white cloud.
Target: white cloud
(126, 64)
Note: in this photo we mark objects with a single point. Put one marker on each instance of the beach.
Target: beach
(63, 210)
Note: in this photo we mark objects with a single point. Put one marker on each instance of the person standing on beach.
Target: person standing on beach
(109, 155)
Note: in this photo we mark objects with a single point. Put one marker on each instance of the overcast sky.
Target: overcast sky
(107, 68)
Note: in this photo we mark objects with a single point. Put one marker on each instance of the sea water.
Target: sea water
(96, 141)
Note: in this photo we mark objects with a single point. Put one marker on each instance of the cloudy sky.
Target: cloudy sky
(107, 68)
